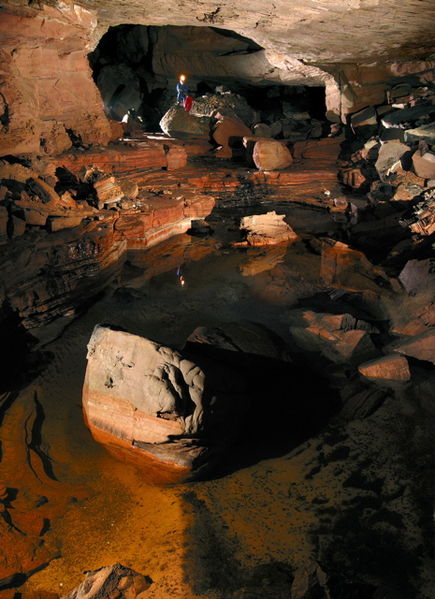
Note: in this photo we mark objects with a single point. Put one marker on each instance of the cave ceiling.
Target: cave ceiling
(319, 32)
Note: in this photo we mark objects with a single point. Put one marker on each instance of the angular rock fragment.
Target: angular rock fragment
(108, 191)
(228, 132)
(17, 226)
(424, 132)
(57, 223)
(343, 266)
(112, 581)
(331, 336)
(406, 192)
(421, 346)
(270, 155)
(174, 409)
(424, 164)
(398, 118)
(387, 368)
(417, 276)
(364, 117)
(267, 229)
(245, 338)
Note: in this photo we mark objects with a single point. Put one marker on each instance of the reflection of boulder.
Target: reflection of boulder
(179, 123)
(260, 260)
(176, 408)
(120, 89)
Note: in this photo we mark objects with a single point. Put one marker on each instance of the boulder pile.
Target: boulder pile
(391, 154)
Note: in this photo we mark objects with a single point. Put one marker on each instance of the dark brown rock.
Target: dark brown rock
(387, 368)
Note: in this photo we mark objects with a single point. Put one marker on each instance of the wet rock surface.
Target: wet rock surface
(170, 405)
(112, 581)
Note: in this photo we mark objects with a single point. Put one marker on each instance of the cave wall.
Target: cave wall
(46, 85)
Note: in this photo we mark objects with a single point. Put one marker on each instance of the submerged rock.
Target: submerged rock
(177, 408)
(111, 581)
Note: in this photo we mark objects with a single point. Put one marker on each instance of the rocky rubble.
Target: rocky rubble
(391, 154)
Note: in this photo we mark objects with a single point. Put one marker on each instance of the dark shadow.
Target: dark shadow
(286, 403)
(211, 567)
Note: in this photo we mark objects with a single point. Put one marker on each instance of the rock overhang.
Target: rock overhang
(315, 31)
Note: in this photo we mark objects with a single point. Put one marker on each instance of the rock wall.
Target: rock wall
(46, 86)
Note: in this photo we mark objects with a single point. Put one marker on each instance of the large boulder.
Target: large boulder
(228, 133)
(424, 164)
(176, 122)
(177, 408)
(417, 276)
(271, 155)
(267, 229)
(391, 156)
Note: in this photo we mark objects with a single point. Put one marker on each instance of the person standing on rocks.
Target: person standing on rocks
(182, 90)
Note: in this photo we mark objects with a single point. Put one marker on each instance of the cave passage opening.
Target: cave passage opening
(136, 68)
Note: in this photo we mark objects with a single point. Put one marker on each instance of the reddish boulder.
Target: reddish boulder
(270, 155)
(227, 132)
(387, 368)
(424, 164)
(267, 229)
(353, 177)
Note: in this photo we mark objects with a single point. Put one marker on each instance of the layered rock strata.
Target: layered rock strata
(171, 407)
